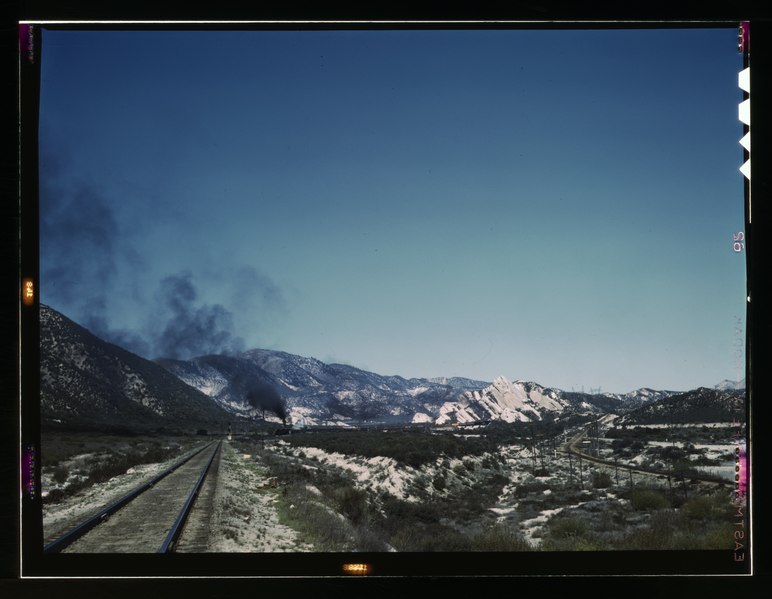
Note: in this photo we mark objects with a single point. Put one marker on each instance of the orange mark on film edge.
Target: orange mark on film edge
(358, 569)
(27, 291)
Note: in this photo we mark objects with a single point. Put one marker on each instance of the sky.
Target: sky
(547, 205)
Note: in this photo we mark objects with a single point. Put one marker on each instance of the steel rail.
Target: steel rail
(176, 530)
(80, 530)
(570, 447)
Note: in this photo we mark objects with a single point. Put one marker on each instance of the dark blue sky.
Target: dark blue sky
(555, 206)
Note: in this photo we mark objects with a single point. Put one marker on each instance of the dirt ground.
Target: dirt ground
(244, 517)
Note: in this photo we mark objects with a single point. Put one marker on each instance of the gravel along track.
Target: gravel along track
(196, 534)
(142, 525)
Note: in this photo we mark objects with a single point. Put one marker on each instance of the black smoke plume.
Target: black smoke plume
(265, 397)
(193, 330)
(82, 251)
(92, 260)
(78, 241)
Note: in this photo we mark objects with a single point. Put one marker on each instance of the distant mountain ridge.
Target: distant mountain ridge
(727, 385)
(318, 393)
(314, 391)
(84, 378)
(695, 406)
(524, 401)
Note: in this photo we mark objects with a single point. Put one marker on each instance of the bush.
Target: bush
(670, 530)
(321, 524)
(500, 539)
(434, 537)
(439, 482)
(399, 511)
(352, 503)
(54, 496)
(573, 544)
(564, 527)
(527, 488)
(706, 507)
(648, 499)
(601, 480)
(60, 473)
(408, 448)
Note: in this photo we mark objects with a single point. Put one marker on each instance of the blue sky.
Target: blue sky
(555, 206)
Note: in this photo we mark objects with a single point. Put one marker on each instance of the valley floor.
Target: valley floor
(381, 491)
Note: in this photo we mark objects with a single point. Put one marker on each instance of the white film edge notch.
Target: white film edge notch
(744, 80)
(744, 114)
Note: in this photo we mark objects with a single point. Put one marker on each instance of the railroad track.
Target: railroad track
(149, 519)
(571, 447)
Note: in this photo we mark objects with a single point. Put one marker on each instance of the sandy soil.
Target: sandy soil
(244, 517)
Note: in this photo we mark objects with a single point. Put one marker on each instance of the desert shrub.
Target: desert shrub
(529, 487)
(439, 482)
(54, 496)
(368, 540)
(672, 530)
(685, 468)
(154, 454)
(569, 533)
(319, 523)
(601, 480)
(60, 473)
(285, 469)
(573, 544)
(567, 526)
(409, 448)
(706, 507)
(490, 462)
(646, 538)
(113, 466)
(671, 453)
(500, 538)
(498, 480)
(719, 537)
(432, 537)
(648, 499)
(352, 503)
(703, 460)
(397, 510)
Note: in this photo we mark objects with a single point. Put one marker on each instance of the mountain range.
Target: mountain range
(85, 379)
(698, 405)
